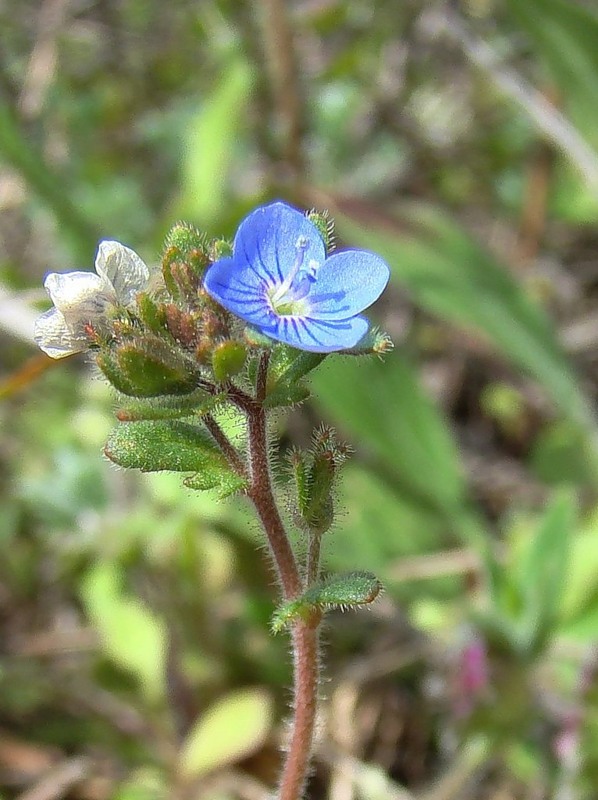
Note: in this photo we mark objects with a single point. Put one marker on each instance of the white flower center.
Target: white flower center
(286, 299)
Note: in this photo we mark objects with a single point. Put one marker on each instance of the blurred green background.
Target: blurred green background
(458, 140)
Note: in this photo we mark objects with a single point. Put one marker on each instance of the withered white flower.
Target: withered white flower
(82, 299)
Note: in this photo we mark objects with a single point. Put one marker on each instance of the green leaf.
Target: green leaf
(454, 277)
(130, 634)
(210, 144)
(343, 591)
(217, 477)
(169, 407)
(232, 729)
(152, 446)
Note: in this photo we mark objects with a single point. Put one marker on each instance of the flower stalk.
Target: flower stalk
(177, 346)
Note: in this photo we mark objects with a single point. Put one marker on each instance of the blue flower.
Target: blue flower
(280, 280)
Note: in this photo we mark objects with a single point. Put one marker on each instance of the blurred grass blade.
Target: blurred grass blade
(543, 569)
(565, 35)
(210, 144)
(18, 150)
(451, 275)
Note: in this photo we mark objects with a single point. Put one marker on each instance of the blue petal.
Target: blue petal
(266, 242)
(240, 291)
(316, 335)
(349, 282)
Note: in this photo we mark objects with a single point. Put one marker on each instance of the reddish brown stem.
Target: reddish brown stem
(260, 492)
(304, 634)
(306, 668)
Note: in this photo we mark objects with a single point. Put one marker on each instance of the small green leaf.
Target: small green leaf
(152, 446)
(230, 730)
(344, 591)
(325, 226)
(288, 612)
(169, 407)
(284, 396)
(217, 477)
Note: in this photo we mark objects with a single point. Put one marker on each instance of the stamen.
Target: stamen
(301, 246)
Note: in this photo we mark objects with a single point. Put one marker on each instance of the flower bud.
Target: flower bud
(228, 359)
(184, 261)
(315, 474)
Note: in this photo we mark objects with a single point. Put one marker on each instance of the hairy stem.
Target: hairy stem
(304, 637)
(260, 492)
(312, 572)
(223, 443)
(304, 634)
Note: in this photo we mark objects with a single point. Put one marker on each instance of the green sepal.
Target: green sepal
(154, 446)
(220, 248)
(219, 477)
(325, 226)
(170, 407)
(254, 338)
(299, 464)
(286, 369)
(347, 590)
(147, 367)
(151, 314)
(228, 359)
(287, 396)
(288, 365)
(375, 342)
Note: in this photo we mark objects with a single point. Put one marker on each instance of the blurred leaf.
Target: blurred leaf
(543, 569)
(231, 729)
(454, 277)
(19, 150)
(580, 596)
(131, 635)
(560, 455)
(387, 413)
(211, 142)
(565, 35)
(379, 528)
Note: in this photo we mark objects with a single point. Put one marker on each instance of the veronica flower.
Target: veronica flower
(280, 280)
(83, 301)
